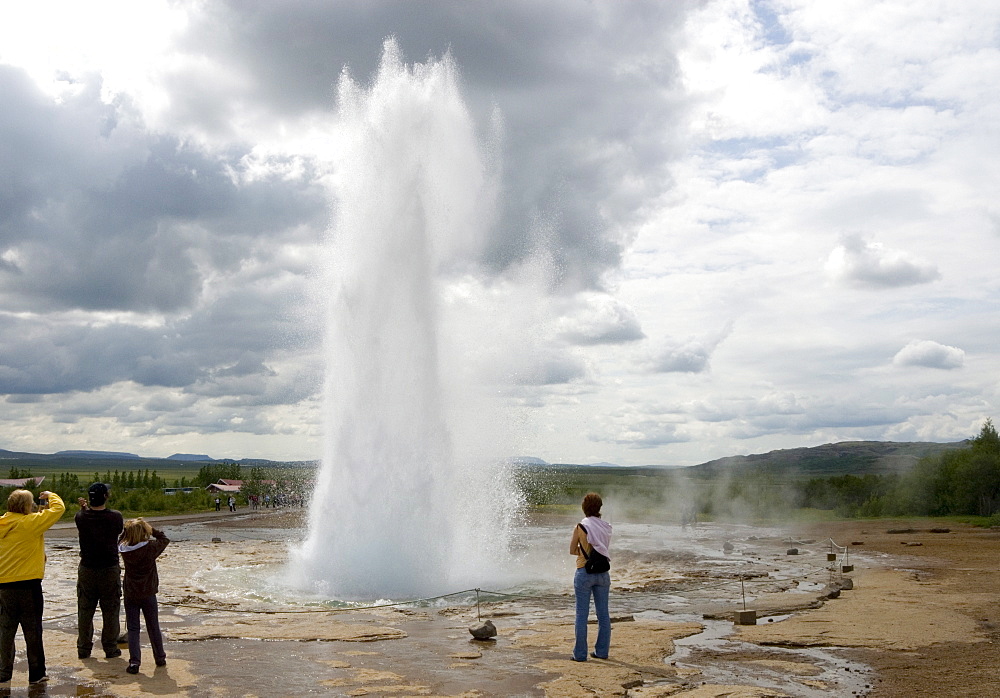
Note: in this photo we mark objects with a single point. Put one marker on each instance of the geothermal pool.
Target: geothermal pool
(222, 579)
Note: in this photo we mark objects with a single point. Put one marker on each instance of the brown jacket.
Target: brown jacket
(141, 579)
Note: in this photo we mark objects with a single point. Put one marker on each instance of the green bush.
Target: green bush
(964, 482)
(149, 499)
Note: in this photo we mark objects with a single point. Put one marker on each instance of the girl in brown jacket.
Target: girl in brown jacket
(140, 545)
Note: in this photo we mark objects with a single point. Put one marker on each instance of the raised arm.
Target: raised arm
(42, 520)
(159, 542)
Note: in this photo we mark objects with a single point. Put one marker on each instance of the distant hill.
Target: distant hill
(96, 454)
(525, 460)
(100, 461)
(846, 457)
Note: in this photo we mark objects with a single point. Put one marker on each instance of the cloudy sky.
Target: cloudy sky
(764, 224)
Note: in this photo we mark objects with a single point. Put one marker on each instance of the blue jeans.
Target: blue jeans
(585, 584)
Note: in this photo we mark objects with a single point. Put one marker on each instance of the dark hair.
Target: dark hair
(98, 494)
(592, 504)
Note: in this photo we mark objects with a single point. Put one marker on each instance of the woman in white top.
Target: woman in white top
(593, 533)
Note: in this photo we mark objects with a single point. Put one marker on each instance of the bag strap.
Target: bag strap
(584, 552)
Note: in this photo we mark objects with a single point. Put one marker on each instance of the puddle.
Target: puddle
(718, 657)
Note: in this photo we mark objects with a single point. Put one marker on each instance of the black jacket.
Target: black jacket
(99, 530)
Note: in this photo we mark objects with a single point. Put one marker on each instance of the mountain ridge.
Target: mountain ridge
(844, 457)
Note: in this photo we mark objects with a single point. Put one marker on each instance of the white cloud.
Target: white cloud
(689, 356)
(669, 170)
(598, 318)
(929, 354)
(870, 265)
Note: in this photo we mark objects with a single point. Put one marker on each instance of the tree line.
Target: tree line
(964, 482)
(134, 493)
(142, 492)
(291, 484)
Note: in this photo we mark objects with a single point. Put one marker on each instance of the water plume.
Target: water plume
(413, 496)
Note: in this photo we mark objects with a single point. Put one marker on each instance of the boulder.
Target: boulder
(483, 631)
(830, 591)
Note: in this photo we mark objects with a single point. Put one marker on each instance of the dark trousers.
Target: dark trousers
(151, 615)
(103, 587)
(21, 604)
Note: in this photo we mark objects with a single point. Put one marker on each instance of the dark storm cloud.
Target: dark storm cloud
(97, 213)
(38, 357)
(41, 356)
(158, 257)
(588, 94)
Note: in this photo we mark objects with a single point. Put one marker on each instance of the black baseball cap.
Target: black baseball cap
(98, 494)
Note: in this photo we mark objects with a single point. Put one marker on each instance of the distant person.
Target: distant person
(218, 504)
(22, 566)
(140, 545)
(232, 504)
(593, 533)
(99, 577)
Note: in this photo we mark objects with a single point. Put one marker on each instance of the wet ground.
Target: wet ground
(232, 629)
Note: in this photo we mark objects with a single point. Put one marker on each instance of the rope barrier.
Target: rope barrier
(842, 548)
(833, 544)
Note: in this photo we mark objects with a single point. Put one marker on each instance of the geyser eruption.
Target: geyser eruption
(404, 504)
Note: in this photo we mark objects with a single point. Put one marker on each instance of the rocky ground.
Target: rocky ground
(921, 619)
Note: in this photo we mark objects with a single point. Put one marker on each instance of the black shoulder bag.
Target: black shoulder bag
(596, 563)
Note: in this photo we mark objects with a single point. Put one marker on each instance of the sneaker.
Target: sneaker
(112, 654)
(40, 679)
(161, 662)
(83, 654)
(132, 668)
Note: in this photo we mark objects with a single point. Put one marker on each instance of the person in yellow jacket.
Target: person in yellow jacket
(22, 566)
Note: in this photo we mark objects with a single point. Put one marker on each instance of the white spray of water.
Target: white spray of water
(413, 497)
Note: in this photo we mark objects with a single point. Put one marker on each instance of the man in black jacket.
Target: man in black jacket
(99, 576)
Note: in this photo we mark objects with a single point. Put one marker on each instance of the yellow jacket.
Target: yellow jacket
(22, 541)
